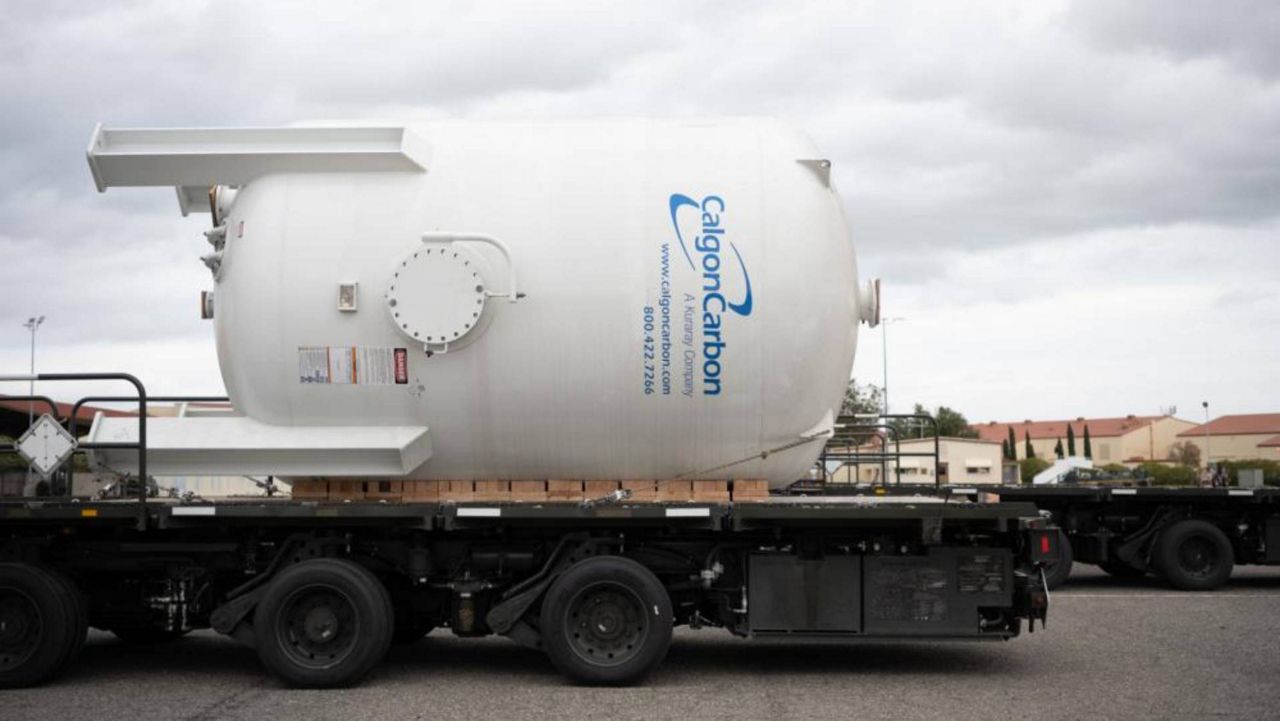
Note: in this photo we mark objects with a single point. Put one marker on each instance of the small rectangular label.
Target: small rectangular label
(966, 491)
(1124, 491)
(194, 511)
(1239, 492)
(479, 512)
(688, 512)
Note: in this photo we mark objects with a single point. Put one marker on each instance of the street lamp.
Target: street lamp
(32, 324)
(1206, 433)
(884, 330)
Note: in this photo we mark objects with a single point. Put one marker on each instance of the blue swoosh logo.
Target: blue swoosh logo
(674, 204)
(677, 202)
(743, 308)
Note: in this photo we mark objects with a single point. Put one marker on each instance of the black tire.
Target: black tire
(323, 623)
(145, 635)
(78, 612)
(37, 625)
(1119, 569)
(1194, 555)
(1058, 573)
(606, 621)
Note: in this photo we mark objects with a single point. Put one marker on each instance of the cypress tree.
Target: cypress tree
(1013, 445)
(1004, 449)
(1057, 450)
(1031, 452)
(1071, 440)
(1088, 448)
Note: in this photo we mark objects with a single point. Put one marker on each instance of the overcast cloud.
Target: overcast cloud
(1075, 206)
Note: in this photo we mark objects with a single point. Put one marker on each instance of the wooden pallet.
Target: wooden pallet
(556, 490)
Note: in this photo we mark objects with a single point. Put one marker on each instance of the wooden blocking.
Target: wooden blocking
(711, 491)
(564, 491)
(748, 491)
(457, 490)
(595, 490)
(309, 489)
(493, 490)
(383, 490)
(643, 491)
(422, 491)
(675, 491)
(528, 490)
(346, 490)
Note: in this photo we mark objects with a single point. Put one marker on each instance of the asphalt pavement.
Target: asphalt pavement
(1113, 649)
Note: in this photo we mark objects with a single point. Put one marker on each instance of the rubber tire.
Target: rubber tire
(1165, 555)
(369, 600)
(145, 635)
(78, 605)
(624, 572)
(58, 619)
(1058, 573)
(1121, 570)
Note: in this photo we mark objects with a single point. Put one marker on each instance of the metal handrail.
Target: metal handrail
(846, 443)
(141, 399)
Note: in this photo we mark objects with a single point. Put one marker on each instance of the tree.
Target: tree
(1088, 447)
(1071, 440)
(1004, 449)
(953, 423)
(1185, 453)
(1058, 450)
(1029, 467)
(863, 400)
(1013, 445)
(1029, 451)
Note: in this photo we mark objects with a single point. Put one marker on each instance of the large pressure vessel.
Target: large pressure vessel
(688, 299)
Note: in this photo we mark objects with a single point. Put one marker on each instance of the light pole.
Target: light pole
(884, 330)
(1206, 433)
(32, 324)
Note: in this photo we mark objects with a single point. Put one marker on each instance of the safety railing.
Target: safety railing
(876, 440)
(140, 402)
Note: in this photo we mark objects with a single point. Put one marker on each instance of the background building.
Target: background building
(1237, 438)
(1129, 440)
(960, 461)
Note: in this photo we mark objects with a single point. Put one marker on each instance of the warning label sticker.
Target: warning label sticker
(353, 365)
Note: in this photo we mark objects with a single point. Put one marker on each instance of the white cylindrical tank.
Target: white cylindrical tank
(689, 300)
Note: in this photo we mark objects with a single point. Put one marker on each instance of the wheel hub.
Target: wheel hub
(608, 624)
(1196, 556)
(321, 624)
(318, 627)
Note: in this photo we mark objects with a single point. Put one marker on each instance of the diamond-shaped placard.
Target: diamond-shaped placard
(46, 445)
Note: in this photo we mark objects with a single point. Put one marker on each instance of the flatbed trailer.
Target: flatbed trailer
(1191, 537)
(322, 588)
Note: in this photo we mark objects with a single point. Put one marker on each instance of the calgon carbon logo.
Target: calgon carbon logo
(700, 227)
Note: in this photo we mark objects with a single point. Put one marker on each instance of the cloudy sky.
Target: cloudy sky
(1075, 207)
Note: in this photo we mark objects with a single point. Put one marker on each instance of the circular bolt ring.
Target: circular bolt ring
(1197, 556)
(21, 628)
(317, 626)
(607, 624)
